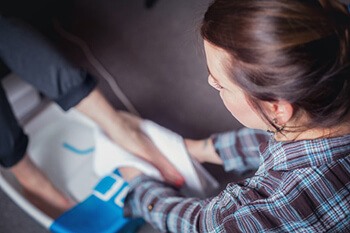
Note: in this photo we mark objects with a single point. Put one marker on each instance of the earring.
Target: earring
(278, 128)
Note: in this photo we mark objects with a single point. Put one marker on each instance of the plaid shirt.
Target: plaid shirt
(301, 186)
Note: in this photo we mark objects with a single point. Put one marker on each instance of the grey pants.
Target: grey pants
(33, 58)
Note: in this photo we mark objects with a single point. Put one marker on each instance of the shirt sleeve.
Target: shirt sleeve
(167, 211)
(239, 150)
(164, 208)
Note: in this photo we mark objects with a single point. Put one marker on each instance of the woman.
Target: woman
(280, 66)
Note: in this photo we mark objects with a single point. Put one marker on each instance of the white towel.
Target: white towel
(108, 156)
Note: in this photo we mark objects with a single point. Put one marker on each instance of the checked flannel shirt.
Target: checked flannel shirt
(300, 186)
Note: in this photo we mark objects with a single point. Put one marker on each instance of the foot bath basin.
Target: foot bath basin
(81, 161)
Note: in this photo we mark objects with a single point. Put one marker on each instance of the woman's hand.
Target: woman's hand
(203, 151)
(129, 173)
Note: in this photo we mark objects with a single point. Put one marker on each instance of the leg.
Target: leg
(28, 54)
(13, 141)
(39, 190)
(36, 60)
(35, 184)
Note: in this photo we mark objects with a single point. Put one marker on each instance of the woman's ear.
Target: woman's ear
(281, 111)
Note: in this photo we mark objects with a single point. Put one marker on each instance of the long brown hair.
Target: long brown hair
(295, 50)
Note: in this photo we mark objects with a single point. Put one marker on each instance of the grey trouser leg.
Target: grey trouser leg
(34, 59)
(28, 54)
(13, 142)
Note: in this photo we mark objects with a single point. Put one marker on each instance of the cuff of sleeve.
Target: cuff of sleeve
(18, 152)
(144, 192)
(220, 150)
(129, 210)
(75, 95)
(239, 150)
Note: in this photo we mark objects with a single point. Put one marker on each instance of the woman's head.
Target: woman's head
(280, 50)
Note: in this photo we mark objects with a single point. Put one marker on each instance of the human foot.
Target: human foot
(38, 189)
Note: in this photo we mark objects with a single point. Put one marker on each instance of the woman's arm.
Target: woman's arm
(166, 210)
(203, 151)
(238, 151)
(162, 206)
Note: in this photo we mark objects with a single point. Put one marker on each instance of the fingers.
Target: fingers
(129, 173)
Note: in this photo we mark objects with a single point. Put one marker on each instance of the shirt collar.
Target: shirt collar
(301, 154)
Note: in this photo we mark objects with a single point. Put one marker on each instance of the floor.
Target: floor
(156, 56)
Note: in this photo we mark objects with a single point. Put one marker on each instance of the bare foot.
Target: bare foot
(39, 190)
(142, 146)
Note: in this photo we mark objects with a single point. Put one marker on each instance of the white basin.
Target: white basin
(63, 145)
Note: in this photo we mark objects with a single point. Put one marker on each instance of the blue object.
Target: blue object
(78, 151)
(101, 212)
